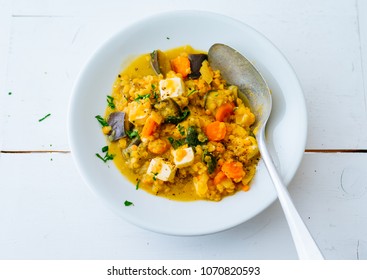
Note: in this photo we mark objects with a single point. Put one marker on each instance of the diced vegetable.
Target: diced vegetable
(201, 184)
(211, 99)
(138, 111)
(219, 177)
(233, 170)
(154, 61)
(224, 111)
(206, 72)
(245, 188)
(195, 63)
(116, 121)
(168, 108)
(244, 116)
(134, 143)
(149, 127)
(158, 146)
(159, 62)
(214, 99)
(216, 131)
(181, 64)
(226, 185)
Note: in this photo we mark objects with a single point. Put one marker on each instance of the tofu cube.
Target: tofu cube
(171, 87)
(183, 157)
(162, 169)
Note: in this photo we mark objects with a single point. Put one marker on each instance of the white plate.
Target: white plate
(286, 132)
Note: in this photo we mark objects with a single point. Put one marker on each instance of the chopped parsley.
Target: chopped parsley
(154, 92)
(176, 143)
(44, 117)
(101, 121)
(107, 156)
(181, 129)
(177, 120)
(145, 96)
(110, 102)
(155, 176)
(137, 184)
(191, 92)
(192, 138)
(132, 133)
(210, 161)
(128, 203)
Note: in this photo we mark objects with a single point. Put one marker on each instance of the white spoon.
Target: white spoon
(237, 70)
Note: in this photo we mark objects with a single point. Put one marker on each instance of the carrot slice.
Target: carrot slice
(216, 131)
(149, 127)
(181, 64)
(245, 188)
(233, 170)
(224, 111)
(219, 177)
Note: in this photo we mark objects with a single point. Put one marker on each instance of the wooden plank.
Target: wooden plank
(362, 25)
(59, 40)
(5, 12)
(47, 212)
(330, 193)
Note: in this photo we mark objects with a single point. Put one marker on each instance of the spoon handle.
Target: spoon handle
(306, 247)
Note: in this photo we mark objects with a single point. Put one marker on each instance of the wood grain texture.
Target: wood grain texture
(59, 39)
(46, 210)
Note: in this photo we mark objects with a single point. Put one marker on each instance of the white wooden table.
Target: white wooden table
(47, 211)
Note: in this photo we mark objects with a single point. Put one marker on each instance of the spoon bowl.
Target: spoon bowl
(237, 70)
(254, 91)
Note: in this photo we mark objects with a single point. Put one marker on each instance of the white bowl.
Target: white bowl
(286, 133)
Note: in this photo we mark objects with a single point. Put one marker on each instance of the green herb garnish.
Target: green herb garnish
(181, 129)
(192, 92)
(128, 203)
(44, 117)
(210, 161)
(176, 143)
(107, 156)
(137, 185)
(110, 102)
(132, 133)
(155, 94)
(155, 176)
(145, 96)
(102, 121)
(192, 138)
(177, 120)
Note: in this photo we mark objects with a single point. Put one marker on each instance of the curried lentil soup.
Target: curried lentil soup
(177, 129)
